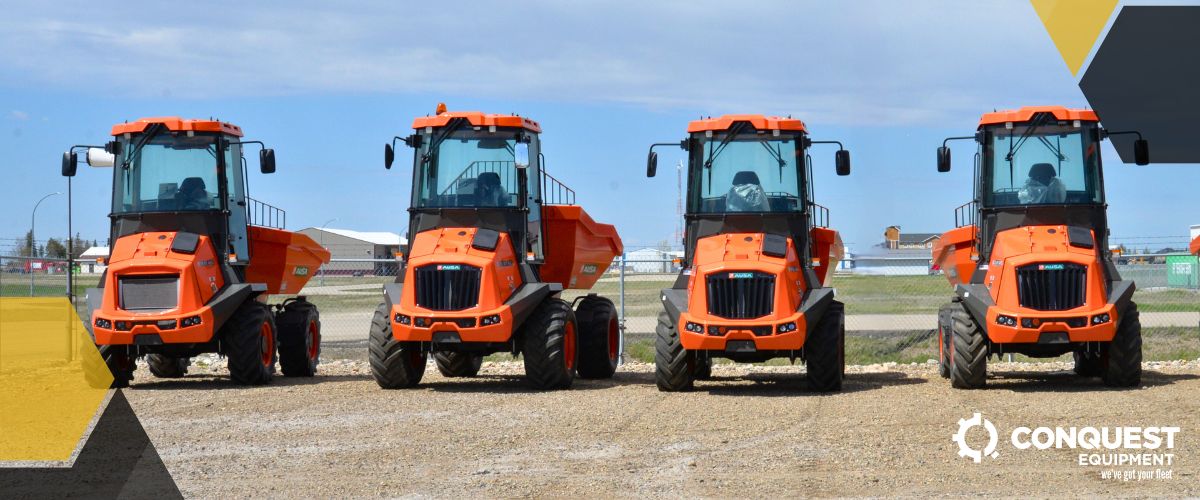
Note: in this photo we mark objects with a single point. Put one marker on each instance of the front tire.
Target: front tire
(1089, 364)
(825, 350)
(549, 337)
(968, 358)
(394, 364)
(163, 366)
(250, 339)
(944, 336)
(674, 366)
(599, 337)
(457, 364)
(118, 362)
(1125, 352)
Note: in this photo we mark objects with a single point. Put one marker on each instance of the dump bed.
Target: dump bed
(578, 249)
(283, 260)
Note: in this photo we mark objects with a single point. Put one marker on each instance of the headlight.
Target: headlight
(1100, 319)
(1006, 320)
(786, 327)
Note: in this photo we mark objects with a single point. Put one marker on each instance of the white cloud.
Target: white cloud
(18, 115)
(856, 63)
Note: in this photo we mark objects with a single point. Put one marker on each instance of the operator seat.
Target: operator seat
(746, 194)
(489, 192)
(1042, 186)
(192, 195)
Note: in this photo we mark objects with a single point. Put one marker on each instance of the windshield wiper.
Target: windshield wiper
(1013, 148)
(454, 125)
(147, 135)
(733, 132)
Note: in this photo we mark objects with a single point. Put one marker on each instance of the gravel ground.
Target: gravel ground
(753, 431)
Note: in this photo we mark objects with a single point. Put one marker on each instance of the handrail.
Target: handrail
(818, 215)
(965, 214)
(505, 169)
(554, 192)
(265, 215)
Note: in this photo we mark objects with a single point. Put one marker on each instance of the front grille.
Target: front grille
(740, 295)
(1052, 287)
(148, 293)
(447, 287)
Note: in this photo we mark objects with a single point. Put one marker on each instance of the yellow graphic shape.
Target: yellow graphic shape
(1074, 26)
(52, 379)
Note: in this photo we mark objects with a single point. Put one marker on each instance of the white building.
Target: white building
(93, 260)
(359, 252)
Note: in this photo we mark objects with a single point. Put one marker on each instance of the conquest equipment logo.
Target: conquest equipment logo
(960, 437)
(1119, 446)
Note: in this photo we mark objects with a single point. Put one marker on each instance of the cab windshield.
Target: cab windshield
(746, 172)
(1051, 164)
(172, 173)
(469, 169)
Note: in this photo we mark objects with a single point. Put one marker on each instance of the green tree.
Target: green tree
(28, 247)
(55, 249)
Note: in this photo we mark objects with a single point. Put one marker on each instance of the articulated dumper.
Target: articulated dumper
(494, 242)
(194, 258)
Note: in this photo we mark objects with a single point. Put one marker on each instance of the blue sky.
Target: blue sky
(327, 85)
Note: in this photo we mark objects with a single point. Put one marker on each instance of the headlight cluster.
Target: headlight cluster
(103, 323)
(786, 327)
(1100, 319)
(490, 320)
(403, 319)
(423, 322)
(124, 326)
(191, 321)
(693, 327)
(1006, 320)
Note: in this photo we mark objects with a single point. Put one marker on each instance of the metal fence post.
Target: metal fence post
(621, 297)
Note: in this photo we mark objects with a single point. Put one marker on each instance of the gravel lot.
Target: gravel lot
(753, 431)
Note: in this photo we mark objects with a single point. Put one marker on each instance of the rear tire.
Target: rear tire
(968, 357)
(457, 364)
(299, 339)
(599, 337)
(394, 364)
(1089, 364)
(674, 366)
(944, 336)
(119, 363)
(249, 336)
(825, 350)
(163, 366)
(1125, 352)
(703, 367)
(550, 345)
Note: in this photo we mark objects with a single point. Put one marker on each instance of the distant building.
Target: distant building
(899, 262)
(650, 260)
(93, 260)
(358, 250)
(895, 239)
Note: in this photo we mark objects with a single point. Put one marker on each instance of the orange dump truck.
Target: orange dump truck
(194, 259)
(1029, 260)
(758, 256)
(494, 241)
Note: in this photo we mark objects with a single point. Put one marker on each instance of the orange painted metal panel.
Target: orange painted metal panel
(177, 124)
(578, 249)
(954, 254)
(477, 119)
(283, 260)
(1026, 113)
(759, 122)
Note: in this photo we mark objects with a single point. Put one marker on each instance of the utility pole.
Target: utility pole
(33, 238)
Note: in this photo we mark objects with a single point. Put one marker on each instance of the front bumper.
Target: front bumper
(469, 326)
(764, 332)
(152, 328)
(1048, 327)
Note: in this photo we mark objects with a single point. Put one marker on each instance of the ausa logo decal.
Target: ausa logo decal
(739, 276)
(300, 271)
(449, 267)
(1050, 267)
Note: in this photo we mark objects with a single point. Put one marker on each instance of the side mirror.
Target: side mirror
(69, 160)
(389, 156)
(266, 161)
(943, 161)
(1141, 152)
(842, 160)
(97, 157)
(651, 164)
(521, 155)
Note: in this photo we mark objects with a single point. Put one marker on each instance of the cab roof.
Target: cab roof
(759, 122)
(177, 124)
(477, 119)
(1026, 113)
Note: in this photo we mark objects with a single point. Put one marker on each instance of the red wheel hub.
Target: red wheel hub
(267, 344)
(314, 340)
(569, 345)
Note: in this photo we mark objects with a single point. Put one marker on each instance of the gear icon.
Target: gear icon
(960, 437)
